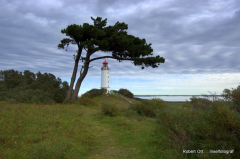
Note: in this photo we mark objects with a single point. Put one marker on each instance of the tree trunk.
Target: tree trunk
(70, 90)
(80, 79)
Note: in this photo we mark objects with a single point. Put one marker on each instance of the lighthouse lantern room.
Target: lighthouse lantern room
(105, 77)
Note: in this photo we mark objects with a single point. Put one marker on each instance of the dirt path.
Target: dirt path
(126, 99)
(107, 146)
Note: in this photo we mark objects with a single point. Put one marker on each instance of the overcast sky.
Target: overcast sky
(200, 41)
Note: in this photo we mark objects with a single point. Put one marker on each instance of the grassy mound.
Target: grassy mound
(108, 126)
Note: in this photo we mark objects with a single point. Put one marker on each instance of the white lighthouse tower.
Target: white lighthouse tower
(105, 76)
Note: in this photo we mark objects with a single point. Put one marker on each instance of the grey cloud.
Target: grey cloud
(184, 32)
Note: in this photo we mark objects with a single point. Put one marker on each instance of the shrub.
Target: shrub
(147, 107)
(200, 103)
(175, 121)
(84, 100)
(217, 127)
(125, 92)
(109, 109)
(233, 96)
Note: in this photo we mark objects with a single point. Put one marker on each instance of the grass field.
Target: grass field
(83, 131)
(75, 131)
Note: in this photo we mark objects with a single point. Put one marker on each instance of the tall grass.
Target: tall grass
(87, 101)
(44, 131)
(76, 131)
(202, 125)
(110, 109)
(147, 108)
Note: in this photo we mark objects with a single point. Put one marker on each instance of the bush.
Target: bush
(147, 107)
(233, 96)
(84, 100)
(217, 127)
(200, 103)
(126, 93)
(109, 109)
(175, 121)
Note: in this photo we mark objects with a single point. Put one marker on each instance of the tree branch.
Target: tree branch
(94, 50)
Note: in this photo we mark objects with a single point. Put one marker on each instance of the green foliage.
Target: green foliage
(233, 96)
(175, 121)
(126, 93)
(200, 103)
(31, 88)
(110, 109)
(94, 92)
(11, 78)
(217, 127)
(110, 39)
(85, 100)
(29, 96)
(148, 108)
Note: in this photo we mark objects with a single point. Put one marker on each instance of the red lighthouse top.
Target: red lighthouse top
(105, 66)
(105, 62)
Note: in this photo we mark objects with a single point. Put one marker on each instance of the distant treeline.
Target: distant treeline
(28, 87)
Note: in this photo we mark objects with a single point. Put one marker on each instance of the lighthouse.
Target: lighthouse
(105, 77)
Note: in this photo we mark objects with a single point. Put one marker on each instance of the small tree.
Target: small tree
(109, 39)
(233, 96)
